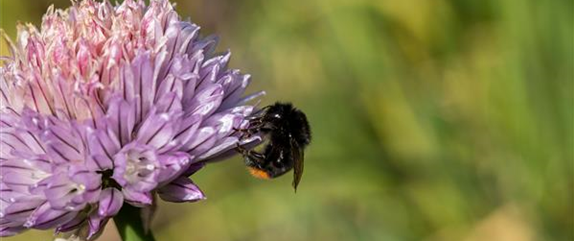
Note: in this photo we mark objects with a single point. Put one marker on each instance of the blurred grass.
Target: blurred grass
(432, 120)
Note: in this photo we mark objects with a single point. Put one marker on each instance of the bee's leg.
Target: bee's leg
(245, 133)
(251, 158)
(241, 149)
(254, 126)
(255, 122)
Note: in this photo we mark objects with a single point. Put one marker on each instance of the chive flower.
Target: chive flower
(111, 105)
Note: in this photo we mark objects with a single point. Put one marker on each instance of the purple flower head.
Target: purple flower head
(108, 106)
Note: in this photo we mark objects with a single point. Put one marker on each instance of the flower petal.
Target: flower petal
(170, 85)
(138, 199)
(173, 165)
(206, 101)
(205, 139)
(64, 144)
(234, 85)
(226, 144)
(73, 224)
(18, 182)
(95, 226)
(193, 168)
(121, 119)
(111, 201)
(144, 85)
(20, 209)
(102, 147)
(169, 103)
(10, 231)
(157, 130)
(45, 217)
(181, 190)
(186, 130)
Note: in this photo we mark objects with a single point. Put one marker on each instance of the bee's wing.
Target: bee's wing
(298, 159)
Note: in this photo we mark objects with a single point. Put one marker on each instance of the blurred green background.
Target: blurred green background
(432, 120)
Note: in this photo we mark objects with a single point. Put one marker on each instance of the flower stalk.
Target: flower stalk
(130, 225)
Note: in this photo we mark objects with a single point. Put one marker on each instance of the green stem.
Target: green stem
(130, 225)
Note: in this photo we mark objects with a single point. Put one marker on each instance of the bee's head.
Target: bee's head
(288, 119)
(279, 110)
(278, 114)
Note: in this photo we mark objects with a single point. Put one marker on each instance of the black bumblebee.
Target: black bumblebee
(288, 133)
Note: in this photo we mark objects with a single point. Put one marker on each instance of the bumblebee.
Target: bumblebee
(288, 133)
